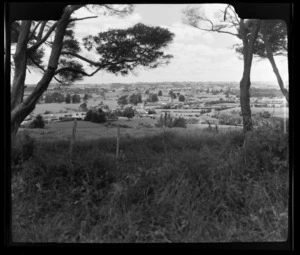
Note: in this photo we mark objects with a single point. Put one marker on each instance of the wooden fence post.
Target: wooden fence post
(73, 137)
(118, 142)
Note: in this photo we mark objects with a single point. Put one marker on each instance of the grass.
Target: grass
(168, 187)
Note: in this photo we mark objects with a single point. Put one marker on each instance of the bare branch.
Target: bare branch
(216, 30)
(35, 28)
(40, 34)
(91, 17)
(236, 16)
(225, 12)
(28, 69)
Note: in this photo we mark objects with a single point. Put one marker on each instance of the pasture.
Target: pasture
(136, 127)
(165, 188)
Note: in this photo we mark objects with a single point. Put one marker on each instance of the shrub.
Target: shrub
(168, 121)
(150, 111)
(225, 119)
(38, 122)
(96, 116)
(265, 114)
(179, 122)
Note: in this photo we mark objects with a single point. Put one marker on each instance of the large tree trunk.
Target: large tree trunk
(248, 43)
(274, 66)
(19, 108)
(245, 103)
(20, 59)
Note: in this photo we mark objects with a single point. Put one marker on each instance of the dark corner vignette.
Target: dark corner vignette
(101, 179)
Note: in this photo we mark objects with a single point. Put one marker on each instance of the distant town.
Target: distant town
(184, 99)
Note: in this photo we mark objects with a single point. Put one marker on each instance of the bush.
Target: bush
(22, 149)
(226, 119)
(265, 114)
(38, 122)
(179, 122)
(96, 116)
(168, 121)
(150, 111)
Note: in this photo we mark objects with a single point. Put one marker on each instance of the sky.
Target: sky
(198, 55)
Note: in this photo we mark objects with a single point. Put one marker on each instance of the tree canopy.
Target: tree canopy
(118, 51)
(121, 50)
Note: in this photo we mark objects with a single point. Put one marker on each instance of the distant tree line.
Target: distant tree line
(260, 92)
(57, 97)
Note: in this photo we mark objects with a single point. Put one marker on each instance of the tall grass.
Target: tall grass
(164, 188)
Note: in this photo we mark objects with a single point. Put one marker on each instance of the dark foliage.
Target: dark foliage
(37, 122)
(96, 116)
(123, 50)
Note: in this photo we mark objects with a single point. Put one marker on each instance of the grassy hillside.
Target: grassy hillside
(163, 188)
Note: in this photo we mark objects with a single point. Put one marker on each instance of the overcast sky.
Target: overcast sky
(198, 55)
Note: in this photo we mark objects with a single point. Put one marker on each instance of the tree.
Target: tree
(96, 116)
(86, 97)
(75, 99)
(123, 100)
(153, 97)
(58, 97)
(172, 95)
(68, 99)
(245, 30)
(181, 98)
(159, 93)
(135, 99)
(271, 41)
(49, 98)
(119, 51)
(128, 112)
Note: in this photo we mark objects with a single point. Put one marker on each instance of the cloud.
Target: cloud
(104, 23)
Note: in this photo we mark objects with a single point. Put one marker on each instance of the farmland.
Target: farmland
(202, 102)
(179, 184)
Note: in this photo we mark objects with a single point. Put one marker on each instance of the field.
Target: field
(136, 127)
(164, 188)
(168, 185)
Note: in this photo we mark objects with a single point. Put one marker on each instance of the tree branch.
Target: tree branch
(81, 57)
(40, 42)
(215, 30)
(70, 69)
(40, 67)
(40, 34)
(91, 17)
(35, 28)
